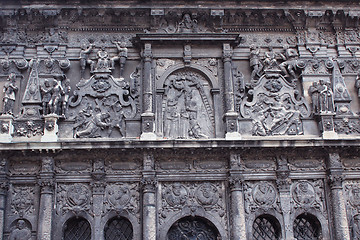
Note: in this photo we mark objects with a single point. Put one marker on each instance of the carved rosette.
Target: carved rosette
(308, 195)
(73, 197)
(192, 198)
(122, 196)
(261, 195)
(22, 200)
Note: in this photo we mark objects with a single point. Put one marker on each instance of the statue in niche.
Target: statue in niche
(21, 232)
(289, 64)
(56, 95)
(356, 227)
(10, 89)
(46, 91)
(65, 97)
(186, 115)
(188, 25)
(84, 58)
(122, 56)
(97, 120)
(322, 97)
(254, 61)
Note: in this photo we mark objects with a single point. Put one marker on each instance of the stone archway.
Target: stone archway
(195, 228)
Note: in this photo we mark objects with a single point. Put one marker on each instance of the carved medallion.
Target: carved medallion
(176, 195)
(101, 85)
(118, 196)
(304, 193)
(207, 194)
(264, 194)
(78, 195)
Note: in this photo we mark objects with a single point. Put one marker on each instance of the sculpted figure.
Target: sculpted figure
(65, 97)
(10, 89)
(46, 91)
(21, 232)
(84, 58)
(326, 97)
(270, 58)
(254, 61)
(122, 56)
(289, 64)
(188, 25)
(56, 95)
(357, 83)
(98, 121)
(314, 93)
(103, 62)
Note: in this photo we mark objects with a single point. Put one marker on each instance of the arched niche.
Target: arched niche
(58, 232)
(266, 227)
(307, 226)
(185, 109)
(315, 216)
(123, 214)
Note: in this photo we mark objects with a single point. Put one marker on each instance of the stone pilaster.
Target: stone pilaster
(148, 116)
(149, 198)
(231, 116)
(98, 189)
(3, 192)
(335, 178)
(46, 183)
(238, 223)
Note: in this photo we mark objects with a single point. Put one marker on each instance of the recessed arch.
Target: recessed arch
(118, 228)
(307, 226)
(77, 229)
(266, 227)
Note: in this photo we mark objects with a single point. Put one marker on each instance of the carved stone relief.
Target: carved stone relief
(308, 195)
(22, 200)
(261, 195)
(187, 106)
(190, 198)
(21, 231)
(352, 197)
(275, 107)
(122, 196)
(75, 197)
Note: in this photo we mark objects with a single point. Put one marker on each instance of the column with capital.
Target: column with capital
(335, 177)
(148, 116)
(231, 116)
(238, 224)
(149, 198)
(46, 182)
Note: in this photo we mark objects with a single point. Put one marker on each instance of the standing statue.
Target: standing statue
(55, 101)
(314, 93)
(46, 91)
(65, 98)
(254, 61)
(122, 56)
(21, 232)
(289, 64)
(326, 97)
(10, 89)
(84, 58)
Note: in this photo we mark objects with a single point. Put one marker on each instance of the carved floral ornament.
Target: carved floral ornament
(22, 201)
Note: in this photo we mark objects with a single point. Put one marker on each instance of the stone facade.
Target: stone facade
(179, 120)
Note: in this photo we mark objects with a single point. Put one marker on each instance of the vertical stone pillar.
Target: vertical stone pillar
(335, 177)
(98, 189)
(3, 191)
(148, 116)
(149, 198)
(284, 183)
(231, 116)
(46, 182)
(238, 223)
